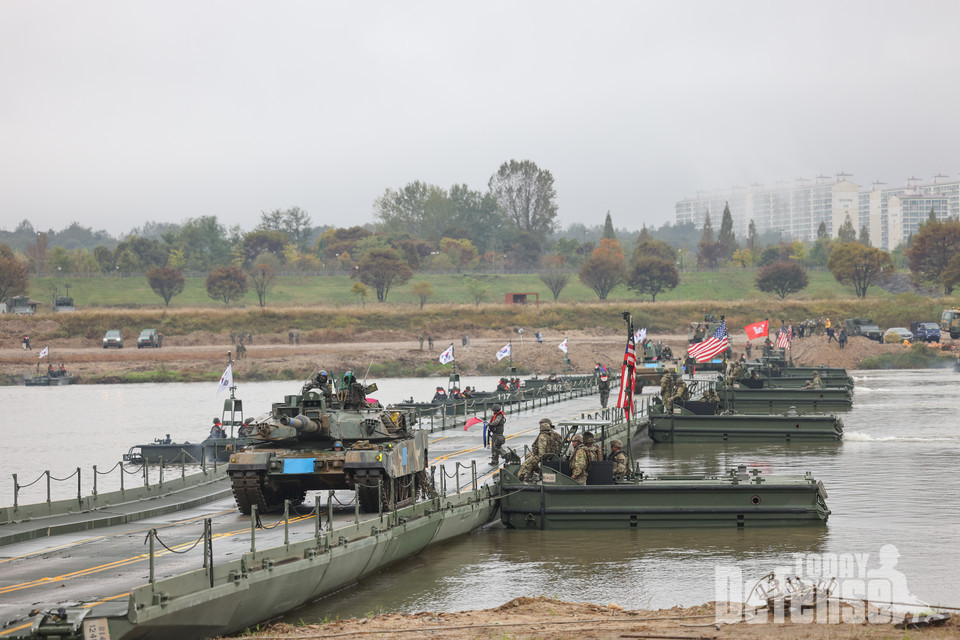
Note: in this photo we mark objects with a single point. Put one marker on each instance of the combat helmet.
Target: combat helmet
(545, 424)
(496, 408)
(587, 437)
(616, 443)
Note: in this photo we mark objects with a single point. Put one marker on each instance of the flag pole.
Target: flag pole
(629, 320)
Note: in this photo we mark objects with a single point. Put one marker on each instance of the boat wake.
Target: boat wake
(857, 436)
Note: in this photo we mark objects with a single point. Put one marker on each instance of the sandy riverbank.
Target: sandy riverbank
(270, 356)
(546, 618)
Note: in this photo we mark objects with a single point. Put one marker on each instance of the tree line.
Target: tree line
(512, 226)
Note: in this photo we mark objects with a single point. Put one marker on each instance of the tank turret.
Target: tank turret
(378, 451)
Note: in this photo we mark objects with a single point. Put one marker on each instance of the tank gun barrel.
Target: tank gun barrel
(301, 423)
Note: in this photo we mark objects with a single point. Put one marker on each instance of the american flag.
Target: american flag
(783, 340)
(627, 375)
(712, 346)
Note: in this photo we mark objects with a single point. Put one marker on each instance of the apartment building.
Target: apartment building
(796, 209)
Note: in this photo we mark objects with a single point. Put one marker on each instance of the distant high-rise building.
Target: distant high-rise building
(796, 210)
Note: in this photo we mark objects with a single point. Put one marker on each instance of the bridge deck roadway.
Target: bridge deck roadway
(100, 568)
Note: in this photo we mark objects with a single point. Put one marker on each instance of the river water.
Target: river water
(894, 480)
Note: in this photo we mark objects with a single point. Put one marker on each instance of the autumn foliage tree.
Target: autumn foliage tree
(423, 291)
(383, 269)
(227, 283)
(14, 278)
(604, 269)
(653, 275)
(931, 250)
(855, 264)
(782, 278)
(166, 282)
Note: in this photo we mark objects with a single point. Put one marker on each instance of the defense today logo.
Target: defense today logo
(827, 588)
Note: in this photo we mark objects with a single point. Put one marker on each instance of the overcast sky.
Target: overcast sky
(117, 113)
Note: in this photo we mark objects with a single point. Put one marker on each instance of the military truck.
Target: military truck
(950, 322)
(863, 327)
(328, 439)
(699, 331)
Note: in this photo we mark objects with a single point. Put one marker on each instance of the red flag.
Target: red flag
(757, 329)
(471, 421)
(627, 375)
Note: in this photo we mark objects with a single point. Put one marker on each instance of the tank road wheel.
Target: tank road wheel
(249, 489)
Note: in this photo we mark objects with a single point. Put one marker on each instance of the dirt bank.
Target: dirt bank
(547, 618)
(271, 356)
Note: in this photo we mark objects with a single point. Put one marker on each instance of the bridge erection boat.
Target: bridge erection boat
(699, 422)
(739, 499)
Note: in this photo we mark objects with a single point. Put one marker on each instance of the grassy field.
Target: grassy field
(334, 290)
(324, 309)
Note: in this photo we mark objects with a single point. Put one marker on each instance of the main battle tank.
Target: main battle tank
(294, 449)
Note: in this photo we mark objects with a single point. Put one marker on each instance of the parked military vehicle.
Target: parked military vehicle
(325, 438)
(700, 331)
(950, 322)
(865, 328)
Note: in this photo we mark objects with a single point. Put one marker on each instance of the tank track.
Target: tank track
(368, 499)
(247, 491)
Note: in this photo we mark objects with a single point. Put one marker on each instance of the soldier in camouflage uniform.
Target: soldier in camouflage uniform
(666, 391)
(575, 443)
(603, 386)
(619, 459)
(680, 393)
(736, 372)
(549, 442)
(495, 429)
(815, 383)
(586, 453)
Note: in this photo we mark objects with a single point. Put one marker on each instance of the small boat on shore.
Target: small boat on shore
(54, 376)
(741, 498)
(48, 379)
(699, 422)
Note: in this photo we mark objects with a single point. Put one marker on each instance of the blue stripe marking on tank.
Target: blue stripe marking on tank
(298, 465)
(404, 452)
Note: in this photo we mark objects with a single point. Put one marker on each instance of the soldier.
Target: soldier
(748, 348)
(320, 381)
(495, 429)
(549, 442)
(666, 390)
(354, 394)
(815, 383)
(216, 431)
(583, 457)
(604, 387)
(619, 459)
(575, 442)
(680, 393)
